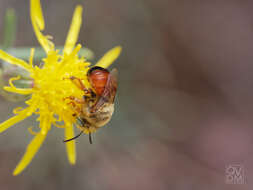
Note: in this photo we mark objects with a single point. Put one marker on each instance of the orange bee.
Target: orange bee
(97, 104)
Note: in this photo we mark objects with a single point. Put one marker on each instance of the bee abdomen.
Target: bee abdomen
(102, 116)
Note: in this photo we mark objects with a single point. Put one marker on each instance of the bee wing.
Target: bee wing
(111, 86)
(109, 92)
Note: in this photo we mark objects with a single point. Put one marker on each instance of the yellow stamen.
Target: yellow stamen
(17, 110)
(30, 129)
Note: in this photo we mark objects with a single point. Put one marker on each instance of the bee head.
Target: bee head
(96, 69)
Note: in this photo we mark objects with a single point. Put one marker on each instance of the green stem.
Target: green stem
(10, 22)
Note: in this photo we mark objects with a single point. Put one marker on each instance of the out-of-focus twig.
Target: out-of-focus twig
(10, 22)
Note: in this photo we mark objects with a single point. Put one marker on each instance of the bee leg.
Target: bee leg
(90, 138)
(84, 123)
(77, 110)
(74, 100)
(81, 121)
(78, 82)
(88, 98)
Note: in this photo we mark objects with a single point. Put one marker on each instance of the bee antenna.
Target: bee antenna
(74, 137)
(90, 138)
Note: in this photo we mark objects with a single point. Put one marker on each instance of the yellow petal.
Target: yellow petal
(31, 57)
(109, 57)
(36, 7)
(12, 88)
(71, 145)
(13, 120)
(32, 149)
(13, 60)
(74, 30)
(18, 90)
(38, 25)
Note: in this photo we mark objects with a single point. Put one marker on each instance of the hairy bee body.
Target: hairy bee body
(99, 118)
(97, 105)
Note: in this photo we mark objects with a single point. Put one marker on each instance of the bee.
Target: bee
(97, 105)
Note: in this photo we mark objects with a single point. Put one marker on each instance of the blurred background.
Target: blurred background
(184, 106)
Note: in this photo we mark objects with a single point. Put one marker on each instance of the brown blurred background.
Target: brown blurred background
(184, 107)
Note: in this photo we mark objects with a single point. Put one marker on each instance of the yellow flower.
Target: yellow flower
(50, 86)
